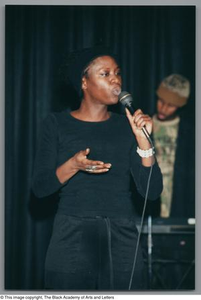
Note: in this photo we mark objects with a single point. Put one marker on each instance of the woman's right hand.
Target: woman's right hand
(80, 162)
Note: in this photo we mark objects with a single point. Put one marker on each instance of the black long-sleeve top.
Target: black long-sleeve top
(111, 141)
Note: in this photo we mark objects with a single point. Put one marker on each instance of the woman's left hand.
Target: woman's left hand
(139, 120)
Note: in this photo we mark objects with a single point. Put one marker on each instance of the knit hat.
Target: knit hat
(174, 89)
(80, 61)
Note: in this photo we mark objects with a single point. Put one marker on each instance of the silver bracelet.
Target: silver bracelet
(145, 153)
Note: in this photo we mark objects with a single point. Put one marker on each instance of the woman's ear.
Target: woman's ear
(84, 83)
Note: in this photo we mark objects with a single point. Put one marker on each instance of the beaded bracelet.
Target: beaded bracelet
(145, 153)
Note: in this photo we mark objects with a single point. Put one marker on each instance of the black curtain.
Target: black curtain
(151, 41)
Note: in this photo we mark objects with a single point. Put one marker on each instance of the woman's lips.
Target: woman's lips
(116, 90)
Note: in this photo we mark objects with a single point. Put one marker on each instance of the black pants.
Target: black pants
(93, 253)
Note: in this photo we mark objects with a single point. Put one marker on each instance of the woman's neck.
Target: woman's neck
(93, 113)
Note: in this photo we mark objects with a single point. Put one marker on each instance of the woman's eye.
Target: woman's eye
(105, 74)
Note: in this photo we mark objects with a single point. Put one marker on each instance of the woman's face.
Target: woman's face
(102, 84)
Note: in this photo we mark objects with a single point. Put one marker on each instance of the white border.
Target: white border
(198, 124)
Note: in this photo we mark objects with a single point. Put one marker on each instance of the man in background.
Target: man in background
(171, 135)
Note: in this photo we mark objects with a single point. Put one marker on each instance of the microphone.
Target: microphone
(126, 100)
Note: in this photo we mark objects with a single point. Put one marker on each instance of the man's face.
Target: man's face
(165, 111)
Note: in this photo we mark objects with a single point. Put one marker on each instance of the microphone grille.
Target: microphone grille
(125, 98)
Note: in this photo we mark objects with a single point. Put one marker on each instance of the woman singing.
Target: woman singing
(89, 156)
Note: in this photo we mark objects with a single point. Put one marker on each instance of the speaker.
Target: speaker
(169, 254)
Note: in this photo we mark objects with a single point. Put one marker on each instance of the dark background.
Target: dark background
(151, 41)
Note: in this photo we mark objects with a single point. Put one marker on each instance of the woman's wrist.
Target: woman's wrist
(66, 170)
(143, 143)
(146, 153)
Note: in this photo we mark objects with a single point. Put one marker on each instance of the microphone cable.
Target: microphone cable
(126, 100)
(140, 229)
